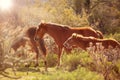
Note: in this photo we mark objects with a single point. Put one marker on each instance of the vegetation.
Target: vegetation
(103, 15)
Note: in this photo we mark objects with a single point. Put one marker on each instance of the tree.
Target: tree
(102, 14)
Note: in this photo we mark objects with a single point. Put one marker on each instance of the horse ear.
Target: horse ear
(74, 35)
(42, 21)
(37, 27)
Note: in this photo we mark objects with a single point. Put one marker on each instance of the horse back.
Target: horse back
(112, 43)
(85, 31)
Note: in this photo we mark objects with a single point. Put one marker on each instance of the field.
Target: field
(64, 73)
(81, 74)
(32, 74)
(75, 66)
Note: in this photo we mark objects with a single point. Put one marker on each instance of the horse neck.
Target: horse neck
(54, 29)
(59, 33)
(81, 44)
(51, 30)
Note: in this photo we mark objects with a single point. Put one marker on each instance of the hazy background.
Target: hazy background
(100, 14)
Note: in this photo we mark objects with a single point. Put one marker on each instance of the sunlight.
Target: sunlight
(6, 4)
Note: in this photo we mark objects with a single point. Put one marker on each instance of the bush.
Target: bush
(51, 59)
(8, 57)
(80, 73)
(105, 61)
(117, 36)
(76, 58)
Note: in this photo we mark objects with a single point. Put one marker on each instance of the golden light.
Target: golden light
(6, 4)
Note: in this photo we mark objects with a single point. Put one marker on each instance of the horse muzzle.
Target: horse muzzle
(36, 38)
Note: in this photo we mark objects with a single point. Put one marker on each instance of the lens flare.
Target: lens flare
(6, 4)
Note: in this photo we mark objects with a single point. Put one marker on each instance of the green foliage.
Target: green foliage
(76, 58)
(105, 16)
(102, 14)
(51, 60)
(79, 74)
(117, 36)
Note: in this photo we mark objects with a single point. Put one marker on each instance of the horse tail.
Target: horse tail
(100, 34)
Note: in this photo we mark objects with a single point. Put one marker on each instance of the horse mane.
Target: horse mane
(100, 34)
(75, 35)
(66, 27)
(60, 26)
(31, 31)
(82, 28)
(78, 36)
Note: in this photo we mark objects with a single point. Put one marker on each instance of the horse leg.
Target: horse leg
(43, 48)
(59, 56)
(37, 55)
(34, 46)
(45, 62)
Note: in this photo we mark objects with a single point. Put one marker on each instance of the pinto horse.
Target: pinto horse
(83, 42)
(61, 33)
(29, 37)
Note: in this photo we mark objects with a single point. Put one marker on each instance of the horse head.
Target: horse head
(70, 42)
(40, 31)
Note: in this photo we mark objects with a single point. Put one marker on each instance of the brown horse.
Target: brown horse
(29, 37)
(19, 42)
(84, 42)
(61, 33)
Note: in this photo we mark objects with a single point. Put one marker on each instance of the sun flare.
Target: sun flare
(6, 4)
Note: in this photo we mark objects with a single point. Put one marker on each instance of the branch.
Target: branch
(97, 3)
(5, 75)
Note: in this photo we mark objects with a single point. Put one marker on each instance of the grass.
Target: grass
(75, 66)
(71, 69)
(53, 74)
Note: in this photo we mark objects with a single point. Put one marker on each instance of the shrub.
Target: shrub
(117, 36)
(8, 57)
(76, 58)
(105, 61)
(52, 59)
(80, 73)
